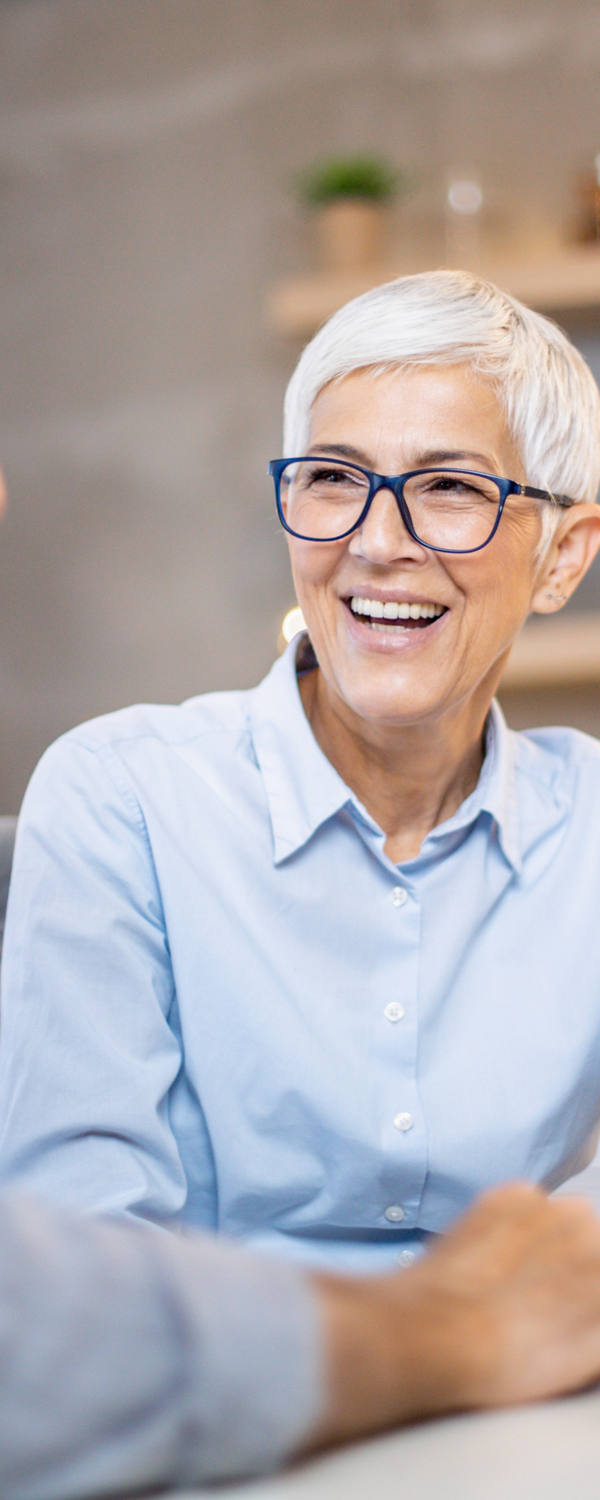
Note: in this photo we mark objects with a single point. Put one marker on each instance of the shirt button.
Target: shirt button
(399, 896)
(405, 1258)
(394, 1213)
(394, 1011)
(403, 1121)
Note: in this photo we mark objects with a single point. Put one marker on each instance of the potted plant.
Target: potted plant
(348, 197)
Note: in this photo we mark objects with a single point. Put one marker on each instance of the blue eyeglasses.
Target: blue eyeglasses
(322, 499)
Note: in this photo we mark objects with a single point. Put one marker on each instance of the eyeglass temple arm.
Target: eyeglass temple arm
(528, 489)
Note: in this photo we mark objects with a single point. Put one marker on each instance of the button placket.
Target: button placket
(402, 1140)
(394, 1011)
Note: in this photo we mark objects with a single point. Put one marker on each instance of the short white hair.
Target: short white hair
(548, 392)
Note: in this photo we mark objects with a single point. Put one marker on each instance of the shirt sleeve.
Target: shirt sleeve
(87, 1054)
(130, 1360)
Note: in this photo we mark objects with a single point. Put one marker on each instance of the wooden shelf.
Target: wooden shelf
(564, 282)
(556, 653)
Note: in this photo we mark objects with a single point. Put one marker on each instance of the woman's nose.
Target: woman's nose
(383, 536)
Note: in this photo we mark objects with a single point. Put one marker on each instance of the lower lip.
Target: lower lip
(397, 638)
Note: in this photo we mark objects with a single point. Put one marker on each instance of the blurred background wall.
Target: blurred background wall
(147, 152)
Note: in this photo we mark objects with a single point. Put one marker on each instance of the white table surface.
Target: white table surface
(545, 1452)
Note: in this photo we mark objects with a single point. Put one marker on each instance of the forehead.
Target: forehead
(408, 410)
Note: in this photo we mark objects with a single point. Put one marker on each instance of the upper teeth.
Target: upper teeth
(393, 611)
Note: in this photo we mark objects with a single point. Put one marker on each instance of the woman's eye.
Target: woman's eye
(460, 488)
(452, 482)
(333, 476)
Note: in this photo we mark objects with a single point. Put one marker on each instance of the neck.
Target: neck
(409, 778)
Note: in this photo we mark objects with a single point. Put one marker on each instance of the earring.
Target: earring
(558, 598)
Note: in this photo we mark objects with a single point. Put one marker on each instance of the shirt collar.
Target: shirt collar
(303, 789)
(495, 793)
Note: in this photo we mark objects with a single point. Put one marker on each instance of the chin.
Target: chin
(392, 709)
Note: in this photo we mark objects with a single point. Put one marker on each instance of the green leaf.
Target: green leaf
(350, 177)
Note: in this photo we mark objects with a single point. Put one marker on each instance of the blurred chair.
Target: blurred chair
(7, 840)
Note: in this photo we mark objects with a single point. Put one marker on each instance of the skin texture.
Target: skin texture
(400, 714)
(505, 1310)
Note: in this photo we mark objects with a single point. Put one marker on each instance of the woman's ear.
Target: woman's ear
(570, 554)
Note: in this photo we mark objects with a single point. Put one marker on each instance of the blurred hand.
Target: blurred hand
(505, 1309)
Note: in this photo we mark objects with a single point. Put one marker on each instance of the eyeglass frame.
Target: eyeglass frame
(396, 483)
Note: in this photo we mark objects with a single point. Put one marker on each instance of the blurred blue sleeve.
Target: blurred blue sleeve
(130, 1359)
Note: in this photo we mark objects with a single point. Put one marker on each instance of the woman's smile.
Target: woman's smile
(405, 613)
(395, 623)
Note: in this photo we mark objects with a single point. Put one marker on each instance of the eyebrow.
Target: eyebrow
(422, 461)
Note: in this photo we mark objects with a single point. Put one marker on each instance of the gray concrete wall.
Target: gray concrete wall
(146, 151)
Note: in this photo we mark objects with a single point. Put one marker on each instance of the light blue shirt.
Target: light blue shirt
(224, 1005)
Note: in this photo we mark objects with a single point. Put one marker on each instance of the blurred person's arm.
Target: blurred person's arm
(131, 1360)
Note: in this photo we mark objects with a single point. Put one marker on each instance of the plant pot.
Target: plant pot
(350, 234)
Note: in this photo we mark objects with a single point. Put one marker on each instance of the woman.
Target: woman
(315, 963)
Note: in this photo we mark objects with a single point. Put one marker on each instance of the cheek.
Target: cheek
(312, 566)
(497, 593)
(519, 536)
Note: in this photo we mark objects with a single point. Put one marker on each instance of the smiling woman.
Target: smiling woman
(269, 959)
(455, 549)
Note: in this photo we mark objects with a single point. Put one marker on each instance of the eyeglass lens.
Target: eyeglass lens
(323, 500)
